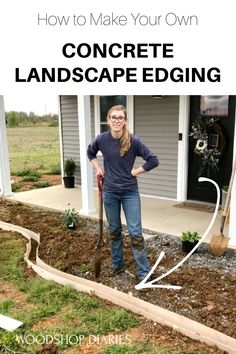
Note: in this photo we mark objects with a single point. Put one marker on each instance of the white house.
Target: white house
(164, 124)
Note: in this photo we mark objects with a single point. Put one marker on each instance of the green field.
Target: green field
(35, 147)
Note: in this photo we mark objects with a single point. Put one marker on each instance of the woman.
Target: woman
(119, 149)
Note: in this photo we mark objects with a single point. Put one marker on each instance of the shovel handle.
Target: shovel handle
(100, 207)
(227, 202)
(222, 224)
(100, 183)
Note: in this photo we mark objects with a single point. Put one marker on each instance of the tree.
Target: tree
(13, 119)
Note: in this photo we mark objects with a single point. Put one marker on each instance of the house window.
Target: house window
(214, 106)
(104, 103)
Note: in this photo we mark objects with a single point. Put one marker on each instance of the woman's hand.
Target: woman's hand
(136, 171)
(99, 172)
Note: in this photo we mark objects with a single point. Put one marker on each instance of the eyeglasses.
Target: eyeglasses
(119, 118)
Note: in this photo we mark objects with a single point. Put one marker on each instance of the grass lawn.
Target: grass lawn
(50, 311)
(34, 147)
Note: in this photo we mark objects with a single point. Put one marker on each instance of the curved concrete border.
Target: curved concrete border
(153, 312)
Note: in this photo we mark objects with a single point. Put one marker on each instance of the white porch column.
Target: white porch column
(86, 168)
(232, 223)
(182, 174)
(5, 181)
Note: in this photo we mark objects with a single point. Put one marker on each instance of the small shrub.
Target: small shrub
(53, 124)
(55, 170)
(70, 218)
(31, 178)
(42, 184)
(69, 167)
(15, 186)
(28, 172)
(190, 236)
(21, 173)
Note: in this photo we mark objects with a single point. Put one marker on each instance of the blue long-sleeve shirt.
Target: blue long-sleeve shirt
(118, 168)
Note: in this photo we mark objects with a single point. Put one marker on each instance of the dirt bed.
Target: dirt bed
(208, 284)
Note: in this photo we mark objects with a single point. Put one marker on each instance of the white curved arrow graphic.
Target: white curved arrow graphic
(151, 284)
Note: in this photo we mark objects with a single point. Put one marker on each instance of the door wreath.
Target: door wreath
(209, 143)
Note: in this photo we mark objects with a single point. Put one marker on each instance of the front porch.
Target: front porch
(159, 215)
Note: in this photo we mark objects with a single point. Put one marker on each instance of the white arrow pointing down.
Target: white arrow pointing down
(151, 284)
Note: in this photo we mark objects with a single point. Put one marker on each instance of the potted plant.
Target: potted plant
(70, 218)
(224, 191)
(69, 171)
(189, 240)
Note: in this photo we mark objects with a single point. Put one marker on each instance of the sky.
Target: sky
(41, 104)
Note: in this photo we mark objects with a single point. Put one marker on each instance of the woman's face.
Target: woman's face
(117, 120)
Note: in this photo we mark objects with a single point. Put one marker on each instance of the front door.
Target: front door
(220, 137)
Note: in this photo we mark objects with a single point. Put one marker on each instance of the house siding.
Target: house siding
(156, 123)
(70, 130)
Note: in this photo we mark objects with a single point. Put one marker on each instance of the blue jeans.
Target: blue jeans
(130, 202)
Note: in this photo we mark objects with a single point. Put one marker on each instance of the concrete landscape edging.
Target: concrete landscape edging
(184, 325)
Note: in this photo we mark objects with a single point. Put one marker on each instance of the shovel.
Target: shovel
(100, 238)
(220, 242)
